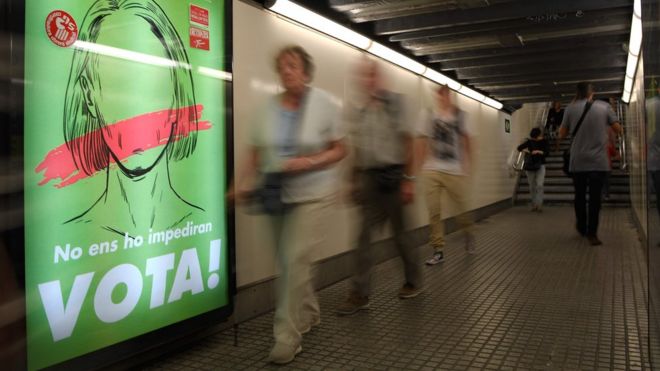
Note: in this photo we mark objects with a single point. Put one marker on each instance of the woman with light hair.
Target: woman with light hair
(294, 144)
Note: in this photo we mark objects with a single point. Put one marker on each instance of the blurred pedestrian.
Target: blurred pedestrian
(446, 156)
(294, 143)
(587, 122)
(536, 149)
(381, 180)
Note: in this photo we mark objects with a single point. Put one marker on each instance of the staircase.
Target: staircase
(558, 187)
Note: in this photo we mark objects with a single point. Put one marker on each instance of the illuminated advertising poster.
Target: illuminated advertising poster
(124, 161)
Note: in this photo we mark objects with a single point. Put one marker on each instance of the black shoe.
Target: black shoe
(594, 241)
(582, 233)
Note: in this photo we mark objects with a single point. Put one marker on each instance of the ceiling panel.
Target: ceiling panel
(515, 50)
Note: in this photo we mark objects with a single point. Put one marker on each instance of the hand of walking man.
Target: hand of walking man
(407, 191)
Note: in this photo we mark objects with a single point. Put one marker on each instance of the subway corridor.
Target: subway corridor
(536, 296)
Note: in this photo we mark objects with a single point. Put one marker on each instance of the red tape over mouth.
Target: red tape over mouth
(59, 164)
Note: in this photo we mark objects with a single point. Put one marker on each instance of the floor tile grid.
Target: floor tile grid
(487, 275)
(636, 304)
(493, 283)
(531, 323)
(489, 291)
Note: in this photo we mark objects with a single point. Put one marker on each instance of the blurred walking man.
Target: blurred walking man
(445, 148)
(381, 181)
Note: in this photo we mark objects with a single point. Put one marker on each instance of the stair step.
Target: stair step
(568, 198)
(614, 181)
(559, 158)
(614, 189)
(551, 173)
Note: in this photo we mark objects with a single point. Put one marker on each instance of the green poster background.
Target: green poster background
(197, 179)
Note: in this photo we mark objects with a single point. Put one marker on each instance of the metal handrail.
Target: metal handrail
(623, 152)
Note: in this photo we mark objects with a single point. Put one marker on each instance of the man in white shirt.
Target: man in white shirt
(445, 151)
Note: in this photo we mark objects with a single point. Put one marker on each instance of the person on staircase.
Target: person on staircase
(536, 149)
(588, 162)
(555, 117)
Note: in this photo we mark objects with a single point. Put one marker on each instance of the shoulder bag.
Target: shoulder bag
(567, 153)
(268, 196)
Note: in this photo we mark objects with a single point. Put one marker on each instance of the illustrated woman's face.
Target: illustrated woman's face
(131, 87)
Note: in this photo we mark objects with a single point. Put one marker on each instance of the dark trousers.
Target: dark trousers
(588, 213)
(376, 208)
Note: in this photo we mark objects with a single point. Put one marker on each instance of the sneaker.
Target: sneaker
(438, 257)
(409, 291)
(283, 353)
(353, 304)
(470, 245)
(313, 324)
(594, 241)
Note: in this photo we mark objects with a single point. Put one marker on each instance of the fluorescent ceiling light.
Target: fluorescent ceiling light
(435, 76)
(454, 85)
(222, 75)
(626, 97)
(631, 66)
(472, 94)
(320, 23)
(628, 83)
(634, 48)
(128, 55)
(493, 103)
(635, 43)
(315, 21)
(396, 58)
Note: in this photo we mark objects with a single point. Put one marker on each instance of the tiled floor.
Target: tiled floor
(535, 297)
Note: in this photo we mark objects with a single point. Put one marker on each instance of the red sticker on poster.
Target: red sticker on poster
(61, 28)
(199, 15)
(199, 39)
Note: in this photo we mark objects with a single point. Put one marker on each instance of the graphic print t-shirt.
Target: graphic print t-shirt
(446, 145)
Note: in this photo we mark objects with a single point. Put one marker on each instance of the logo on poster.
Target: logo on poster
(199, 39)
(61, 28)
(199, 15)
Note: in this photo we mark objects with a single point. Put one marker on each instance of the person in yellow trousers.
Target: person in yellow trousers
(444, 152)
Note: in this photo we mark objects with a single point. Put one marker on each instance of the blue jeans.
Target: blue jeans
(536, 180)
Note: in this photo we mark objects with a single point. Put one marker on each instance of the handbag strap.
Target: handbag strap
(300, 119)
(587, 106)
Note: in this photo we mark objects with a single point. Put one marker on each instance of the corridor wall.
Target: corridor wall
(636, 130)
(258, 34)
